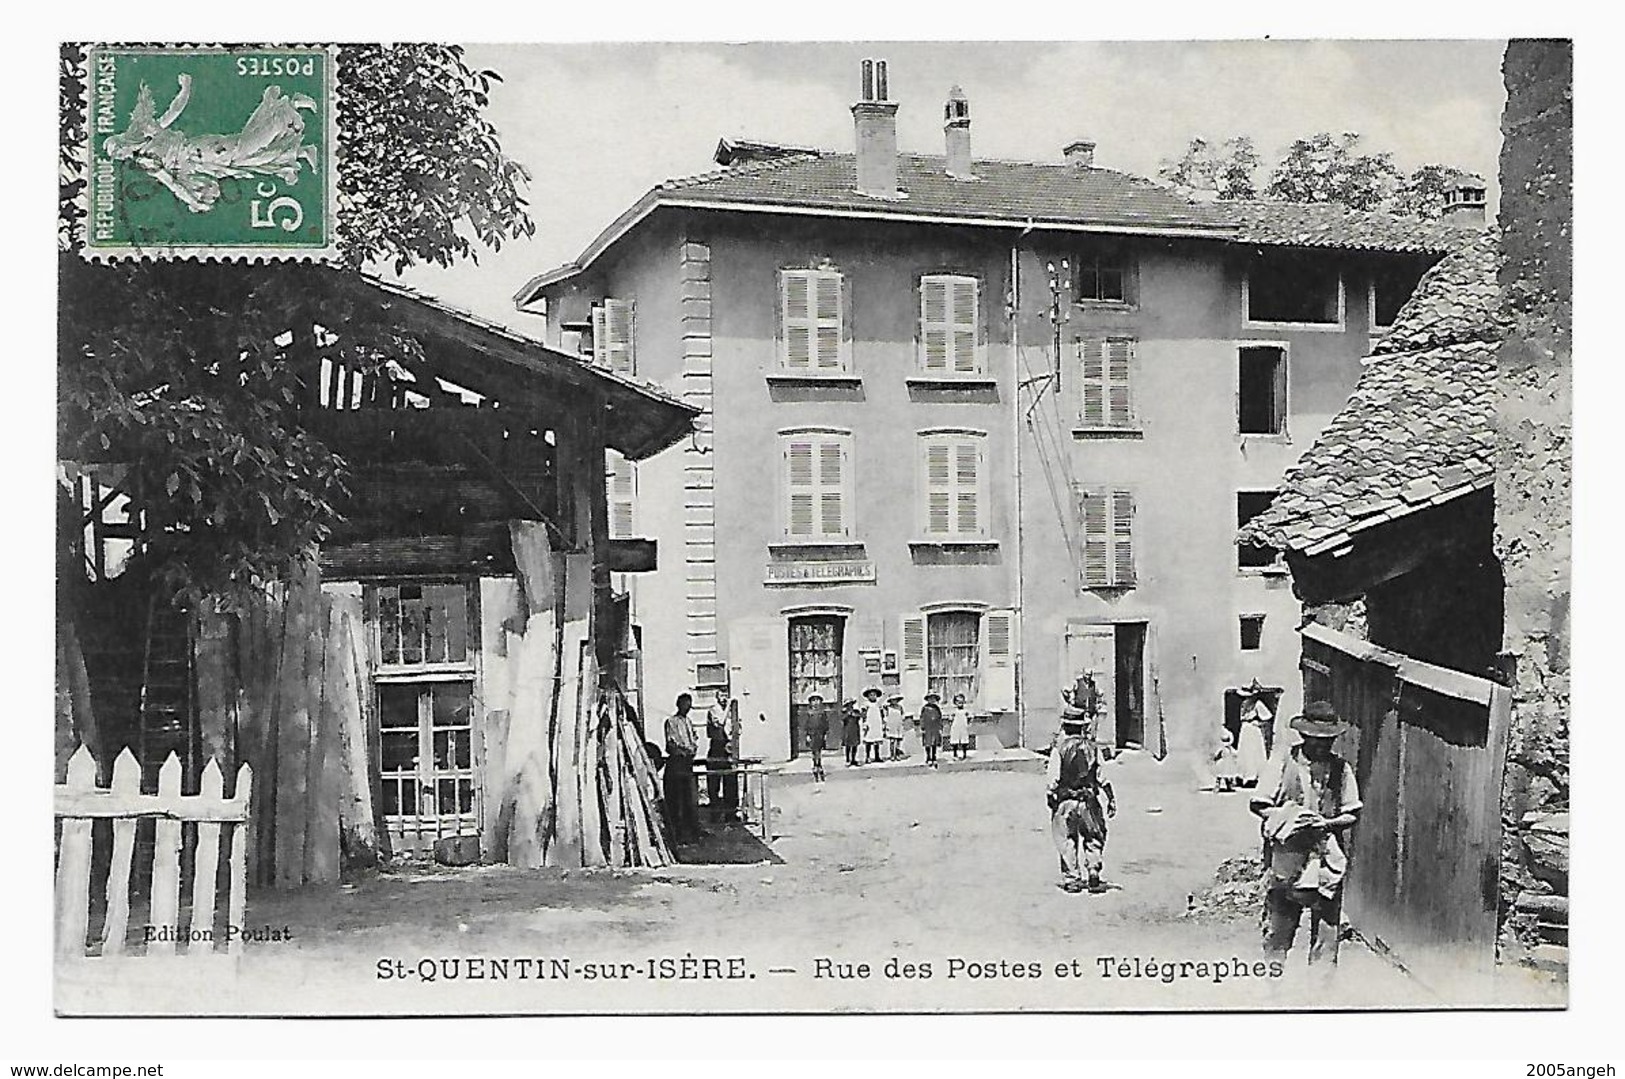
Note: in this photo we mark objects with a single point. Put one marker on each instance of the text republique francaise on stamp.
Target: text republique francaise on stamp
(224, 152)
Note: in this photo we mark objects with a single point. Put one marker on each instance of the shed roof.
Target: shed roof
(1332, 225)
(642, 418)
(1418, 429)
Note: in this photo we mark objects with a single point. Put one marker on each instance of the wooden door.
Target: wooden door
(758, 652)
(816, 650)
(426, 761)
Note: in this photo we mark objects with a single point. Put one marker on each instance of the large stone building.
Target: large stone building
(971, 425)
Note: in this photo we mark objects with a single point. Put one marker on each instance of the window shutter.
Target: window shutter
(939, 494)
(798, 325)
(622, 494)
(1119, 360)
(1095, 510)
(968, 516)
(828, 287)
(912, 677)
(965, 329)
(998, 661)
(832, 489)
(1123, 538)
(600, 335)
(801, 489)
(934, 332)
(1092, 356)
(618, 336)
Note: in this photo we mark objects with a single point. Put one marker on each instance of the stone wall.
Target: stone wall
(1532, 494)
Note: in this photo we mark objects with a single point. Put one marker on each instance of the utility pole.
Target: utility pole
(1060, 310)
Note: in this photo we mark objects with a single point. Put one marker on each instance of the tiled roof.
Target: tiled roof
(1417, 430)
(1329, 224)
(1002, 191)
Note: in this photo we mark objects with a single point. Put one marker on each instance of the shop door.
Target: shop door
(816, 644)
(426, 762)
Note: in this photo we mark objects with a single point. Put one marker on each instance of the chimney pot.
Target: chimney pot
(875, 122)
(1464, 201)
(1080, 153)
(956, 133)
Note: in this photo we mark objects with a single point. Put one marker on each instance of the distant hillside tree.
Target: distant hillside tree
(1324, 168)
(1225, 170)
(1421, 194)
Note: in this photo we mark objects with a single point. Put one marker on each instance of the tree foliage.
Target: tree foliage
(185, 373)
(1322, 168)
(1224, 171)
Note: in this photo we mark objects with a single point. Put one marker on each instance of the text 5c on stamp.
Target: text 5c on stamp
(215, 152)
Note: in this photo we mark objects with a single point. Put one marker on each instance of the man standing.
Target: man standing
(1305, 809)
(682, 800)
(721, 781)
(1080, 800)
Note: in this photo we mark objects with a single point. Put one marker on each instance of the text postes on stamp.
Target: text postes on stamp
(224, 152)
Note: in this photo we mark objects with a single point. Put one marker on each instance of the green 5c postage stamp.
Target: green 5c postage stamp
(224, 152)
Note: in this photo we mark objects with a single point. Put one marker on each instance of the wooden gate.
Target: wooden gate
(1430, 750)
(107, 904)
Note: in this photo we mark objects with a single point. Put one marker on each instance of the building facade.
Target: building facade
(970, 426)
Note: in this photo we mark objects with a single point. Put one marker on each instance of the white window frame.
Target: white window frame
(953, 440)
(1130, 421)
(620, 471)
(1123, 261)
(814, 323)
(1117, 533)
(819, 437)
(1285, 433)
(950, 327)
(1339, 326)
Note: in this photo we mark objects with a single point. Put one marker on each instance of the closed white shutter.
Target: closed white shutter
(1119, 361)
(951, 485)
(600, 335)
(999, 650)
(912, 676)
(619, 352)
(801, 487)
(950, 327)
(811, 317)
(817, 487)
(622, 495)
(1106, 367)
(1123, 539)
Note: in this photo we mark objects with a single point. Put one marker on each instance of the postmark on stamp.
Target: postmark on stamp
(203, 151)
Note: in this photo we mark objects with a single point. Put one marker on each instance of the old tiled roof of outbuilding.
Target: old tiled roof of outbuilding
(1330, 224)
(1418, 429)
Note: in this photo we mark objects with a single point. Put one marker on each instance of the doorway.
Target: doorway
(426, 762)
(816, 658)
(1130, 684)
(1115, 653)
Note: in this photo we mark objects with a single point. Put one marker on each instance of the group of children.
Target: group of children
(877, 729)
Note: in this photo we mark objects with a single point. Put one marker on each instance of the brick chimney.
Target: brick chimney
(1080, 153)
(956, 133)
(875, 119)
(1464, 201)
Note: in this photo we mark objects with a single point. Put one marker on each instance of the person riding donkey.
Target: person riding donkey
(1080, 798)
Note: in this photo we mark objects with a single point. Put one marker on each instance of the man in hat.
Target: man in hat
(1305, 810)
(1080, 801)
(874, 724)
(931, 727)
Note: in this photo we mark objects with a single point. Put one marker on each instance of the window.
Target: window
(953, 653)
(1391, 286)
(1106, 364)
(423, 625)
(621, 478)
(1252, 632)
(1103, 278)
(953, 498)
(814, 334)
(1250, 504)
(1261, 390)
(950, 325)
(1108, 538)
(612, 336)
(817, 485)
(1296, 289)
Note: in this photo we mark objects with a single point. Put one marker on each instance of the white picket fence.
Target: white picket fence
(80, 802)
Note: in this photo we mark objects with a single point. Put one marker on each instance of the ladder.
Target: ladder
(167, 701)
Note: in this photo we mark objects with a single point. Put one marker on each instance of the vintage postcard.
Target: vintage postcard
(813, 527)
